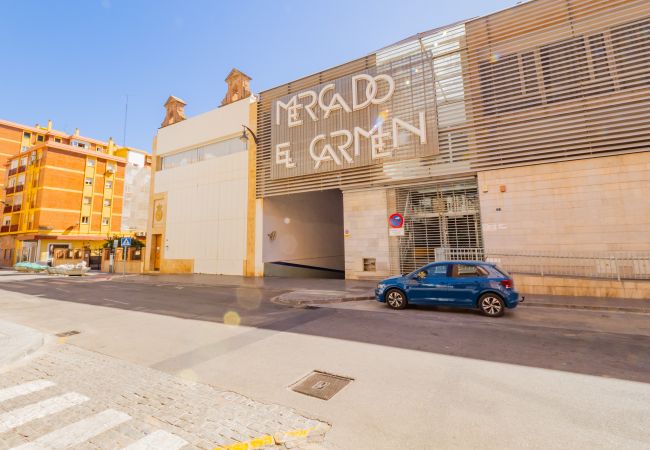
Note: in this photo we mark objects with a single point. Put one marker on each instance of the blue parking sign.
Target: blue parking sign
(126, 242)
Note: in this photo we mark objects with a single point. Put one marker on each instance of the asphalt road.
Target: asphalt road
(607, 344)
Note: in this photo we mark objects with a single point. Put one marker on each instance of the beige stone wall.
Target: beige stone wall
(589, 287)
(365, 223)
(594, 205)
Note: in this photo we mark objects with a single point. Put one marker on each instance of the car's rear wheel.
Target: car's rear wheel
(396, 299)
(491, 305)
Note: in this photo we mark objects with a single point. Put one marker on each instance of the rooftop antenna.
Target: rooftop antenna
(126, 112)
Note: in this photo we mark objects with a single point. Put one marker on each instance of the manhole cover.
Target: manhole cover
(68, 333)
(321, 385)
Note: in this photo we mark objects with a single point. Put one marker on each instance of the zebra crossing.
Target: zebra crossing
(76, 433)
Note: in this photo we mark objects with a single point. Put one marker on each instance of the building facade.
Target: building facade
(61, 192)
(198, 216)
(524, 132)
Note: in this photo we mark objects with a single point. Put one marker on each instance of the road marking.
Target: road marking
(115, 301)
(78, 432)
(24, 389)
(20, 416)
(158, 440)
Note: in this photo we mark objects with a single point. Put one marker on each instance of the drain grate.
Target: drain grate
(321, 385)
(68, 333)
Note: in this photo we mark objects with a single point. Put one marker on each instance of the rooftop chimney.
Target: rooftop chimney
(238, 87)
(49, 125)
(175, 111)
(76, 131)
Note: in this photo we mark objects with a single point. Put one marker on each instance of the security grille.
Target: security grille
(439, 220)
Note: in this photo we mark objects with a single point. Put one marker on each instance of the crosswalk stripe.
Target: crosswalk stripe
(158, 440)
(78, 432)
(20, 416)
(24, 389)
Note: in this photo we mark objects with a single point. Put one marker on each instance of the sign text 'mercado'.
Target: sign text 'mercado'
(303, 106)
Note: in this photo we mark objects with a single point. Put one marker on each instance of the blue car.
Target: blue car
(463, 284)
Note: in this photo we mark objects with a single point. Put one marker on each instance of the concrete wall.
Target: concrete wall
(594, 205)
(366, 229)
(206, 213)
(308, 231)
(203, 128)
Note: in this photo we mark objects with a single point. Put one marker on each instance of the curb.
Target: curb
(588, 307)
(304, 302)
(17, 341)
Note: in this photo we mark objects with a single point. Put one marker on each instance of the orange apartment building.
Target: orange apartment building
(59, 191)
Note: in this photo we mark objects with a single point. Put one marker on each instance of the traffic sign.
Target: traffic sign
(396, 220)
(126, 242)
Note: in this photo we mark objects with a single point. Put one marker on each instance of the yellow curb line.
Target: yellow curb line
(265, 440)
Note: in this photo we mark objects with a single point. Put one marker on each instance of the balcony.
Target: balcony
(4, 229)
(13, 228)
(17, 208)
(20, 187)
(22, 169)
(12, 172)
(6, 209)
(10, 189)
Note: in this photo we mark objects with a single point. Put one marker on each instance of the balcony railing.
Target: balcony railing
(12, 171)
(4, 229)
(13, 228)
(22, 169)
(17, 208)
(6, 209)
(20, 187)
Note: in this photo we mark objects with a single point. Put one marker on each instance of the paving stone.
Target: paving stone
(202, 415)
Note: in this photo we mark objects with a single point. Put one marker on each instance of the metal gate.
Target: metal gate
(440, 220)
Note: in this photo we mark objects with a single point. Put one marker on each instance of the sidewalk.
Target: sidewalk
(300, 292)
(17, 342)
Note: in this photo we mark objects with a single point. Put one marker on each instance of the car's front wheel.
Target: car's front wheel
(396, 299)
(491, 305)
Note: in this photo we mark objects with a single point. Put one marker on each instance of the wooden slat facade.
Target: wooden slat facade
(543, 81)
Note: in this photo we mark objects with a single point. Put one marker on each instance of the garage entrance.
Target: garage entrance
(303, 235)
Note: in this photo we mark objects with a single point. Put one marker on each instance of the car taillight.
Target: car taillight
(506, 284)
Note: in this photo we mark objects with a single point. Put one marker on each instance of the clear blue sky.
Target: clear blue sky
(73, 61)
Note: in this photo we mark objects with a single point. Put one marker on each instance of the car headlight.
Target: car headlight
(381, 286)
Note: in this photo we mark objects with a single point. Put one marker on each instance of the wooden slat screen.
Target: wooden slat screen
(543, 81)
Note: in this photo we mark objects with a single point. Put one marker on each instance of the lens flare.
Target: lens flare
(231, 318)
(495, 57)
(381, 118)
(287, 220)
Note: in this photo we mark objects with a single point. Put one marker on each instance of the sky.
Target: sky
(75, 61)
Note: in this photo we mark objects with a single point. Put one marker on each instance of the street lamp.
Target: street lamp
(244, 134)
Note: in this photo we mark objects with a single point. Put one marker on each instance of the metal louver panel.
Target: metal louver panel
(438, 218)
(540, 82)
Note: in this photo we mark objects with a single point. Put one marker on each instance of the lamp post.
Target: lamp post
(244, 134)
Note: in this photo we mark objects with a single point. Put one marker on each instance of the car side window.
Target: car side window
(466, 270)
(437, 271)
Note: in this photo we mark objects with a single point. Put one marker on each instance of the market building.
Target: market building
(521, 137)
(199, 219)
(63, 192)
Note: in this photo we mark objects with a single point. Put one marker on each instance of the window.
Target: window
(88, 200)
(23, 161)
(57, 140)
(40, 138)
(88, 181)
(110, 168)
(105, 220)
(100, 149)
(27, 135)
(109, 184)
(107, 202)
(84, 219)
(79, 144)
(24, 148)
(438, 270)
(467, 271)
(90, 162)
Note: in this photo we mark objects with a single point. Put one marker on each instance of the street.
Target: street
(420, 375)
